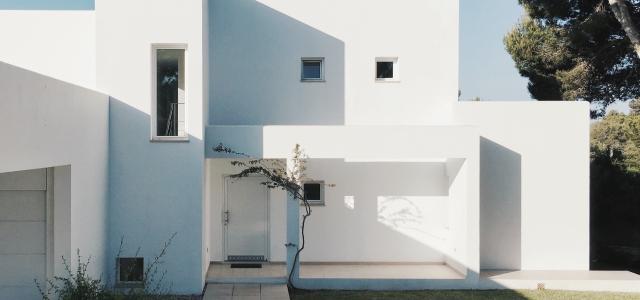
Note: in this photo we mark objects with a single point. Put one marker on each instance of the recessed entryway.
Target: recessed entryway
(246, 219)
(25, 237)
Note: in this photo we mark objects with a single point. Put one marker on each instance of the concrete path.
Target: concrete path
(246, 292)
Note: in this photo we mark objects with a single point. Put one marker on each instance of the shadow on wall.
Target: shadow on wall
(256, 68)
(384, 211)
(500, 207)
(155, 191)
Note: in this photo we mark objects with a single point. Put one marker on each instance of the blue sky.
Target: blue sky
(46, 4)
(486, 70)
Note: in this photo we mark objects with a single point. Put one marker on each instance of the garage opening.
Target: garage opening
(27, 231)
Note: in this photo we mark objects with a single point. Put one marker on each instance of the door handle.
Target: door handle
(226, 217)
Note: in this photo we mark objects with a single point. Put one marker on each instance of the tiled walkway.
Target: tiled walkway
(276, 273)
(246, 292)
(223, 270)
(378, 271)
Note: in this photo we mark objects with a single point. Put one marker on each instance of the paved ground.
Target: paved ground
(461, 295)
(246, 292)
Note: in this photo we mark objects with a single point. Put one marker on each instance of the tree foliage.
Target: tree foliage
(576, 50)
(615, 191)
(617, 137)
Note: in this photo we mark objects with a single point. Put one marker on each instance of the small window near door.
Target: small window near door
(169, 103)
(314, 192)
(312, 69)
(130, 270)
(387, 69)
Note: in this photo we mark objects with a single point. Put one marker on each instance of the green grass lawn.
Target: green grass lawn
(462, 295)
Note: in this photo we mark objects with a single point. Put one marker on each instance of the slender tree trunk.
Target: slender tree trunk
(621, 11)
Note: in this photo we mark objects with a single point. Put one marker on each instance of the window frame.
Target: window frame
(154, 92)
(312, 59)
(396, 69)
(120, 283)
(322, 201)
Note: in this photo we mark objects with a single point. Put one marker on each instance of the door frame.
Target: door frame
(49, 219)
(225, 206)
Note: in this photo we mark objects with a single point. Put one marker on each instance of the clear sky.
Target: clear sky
(486, 70)
(46, 4)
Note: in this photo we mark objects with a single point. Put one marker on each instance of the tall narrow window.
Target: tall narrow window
(169, 88)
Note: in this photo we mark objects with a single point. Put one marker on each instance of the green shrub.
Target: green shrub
(76, 284)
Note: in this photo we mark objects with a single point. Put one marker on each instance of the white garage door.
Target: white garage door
(22, 233)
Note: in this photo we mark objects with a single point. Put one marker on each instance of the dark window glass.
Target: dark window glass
(312, 191)
(131, 269)
(312, 69)
(170, 90)
(384, 69)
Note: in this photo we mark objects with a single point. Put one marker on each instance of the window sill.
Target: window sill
(316, 204)
(312, 80)
(169, 139)
(129, 285)
(387, 80)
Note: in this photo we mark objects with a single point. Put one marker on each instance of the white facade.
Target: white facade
(59, 44)
(534, 209)
(156, 189)
(257, 46)
(419, 177)
(52, 124)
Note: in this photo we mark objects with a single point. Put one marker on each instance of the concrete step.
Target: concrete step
(246, 291)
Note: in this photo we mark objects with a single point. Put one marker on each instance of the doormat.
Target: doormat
(246, 266)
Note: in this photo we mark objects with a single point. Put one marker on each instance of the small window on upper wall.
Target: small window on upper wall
(130, 270)
(312, 69)
(169, 101)
(387, 69)
(314, 192)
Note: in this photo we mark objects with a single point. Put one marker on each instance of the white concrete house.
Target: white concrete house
(110, 117)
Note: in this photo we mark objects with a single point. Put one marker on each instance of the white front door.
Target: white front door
(22, 233)
(246, 219)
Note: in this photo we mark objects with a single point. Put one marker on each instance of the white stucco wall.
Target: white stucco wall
(256, 47)
(49, 123)
(379, 212)
(156, 189)
(458, 209)
(534, 178)
(59, 44)
(350, 156)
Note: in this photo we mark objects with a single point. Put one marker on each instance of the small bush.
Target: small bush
(78, 285)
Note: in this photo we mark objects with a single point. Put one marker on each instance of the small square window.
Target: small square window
(130, 270)
(387, 69)
(312, 69)
(314, 192)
